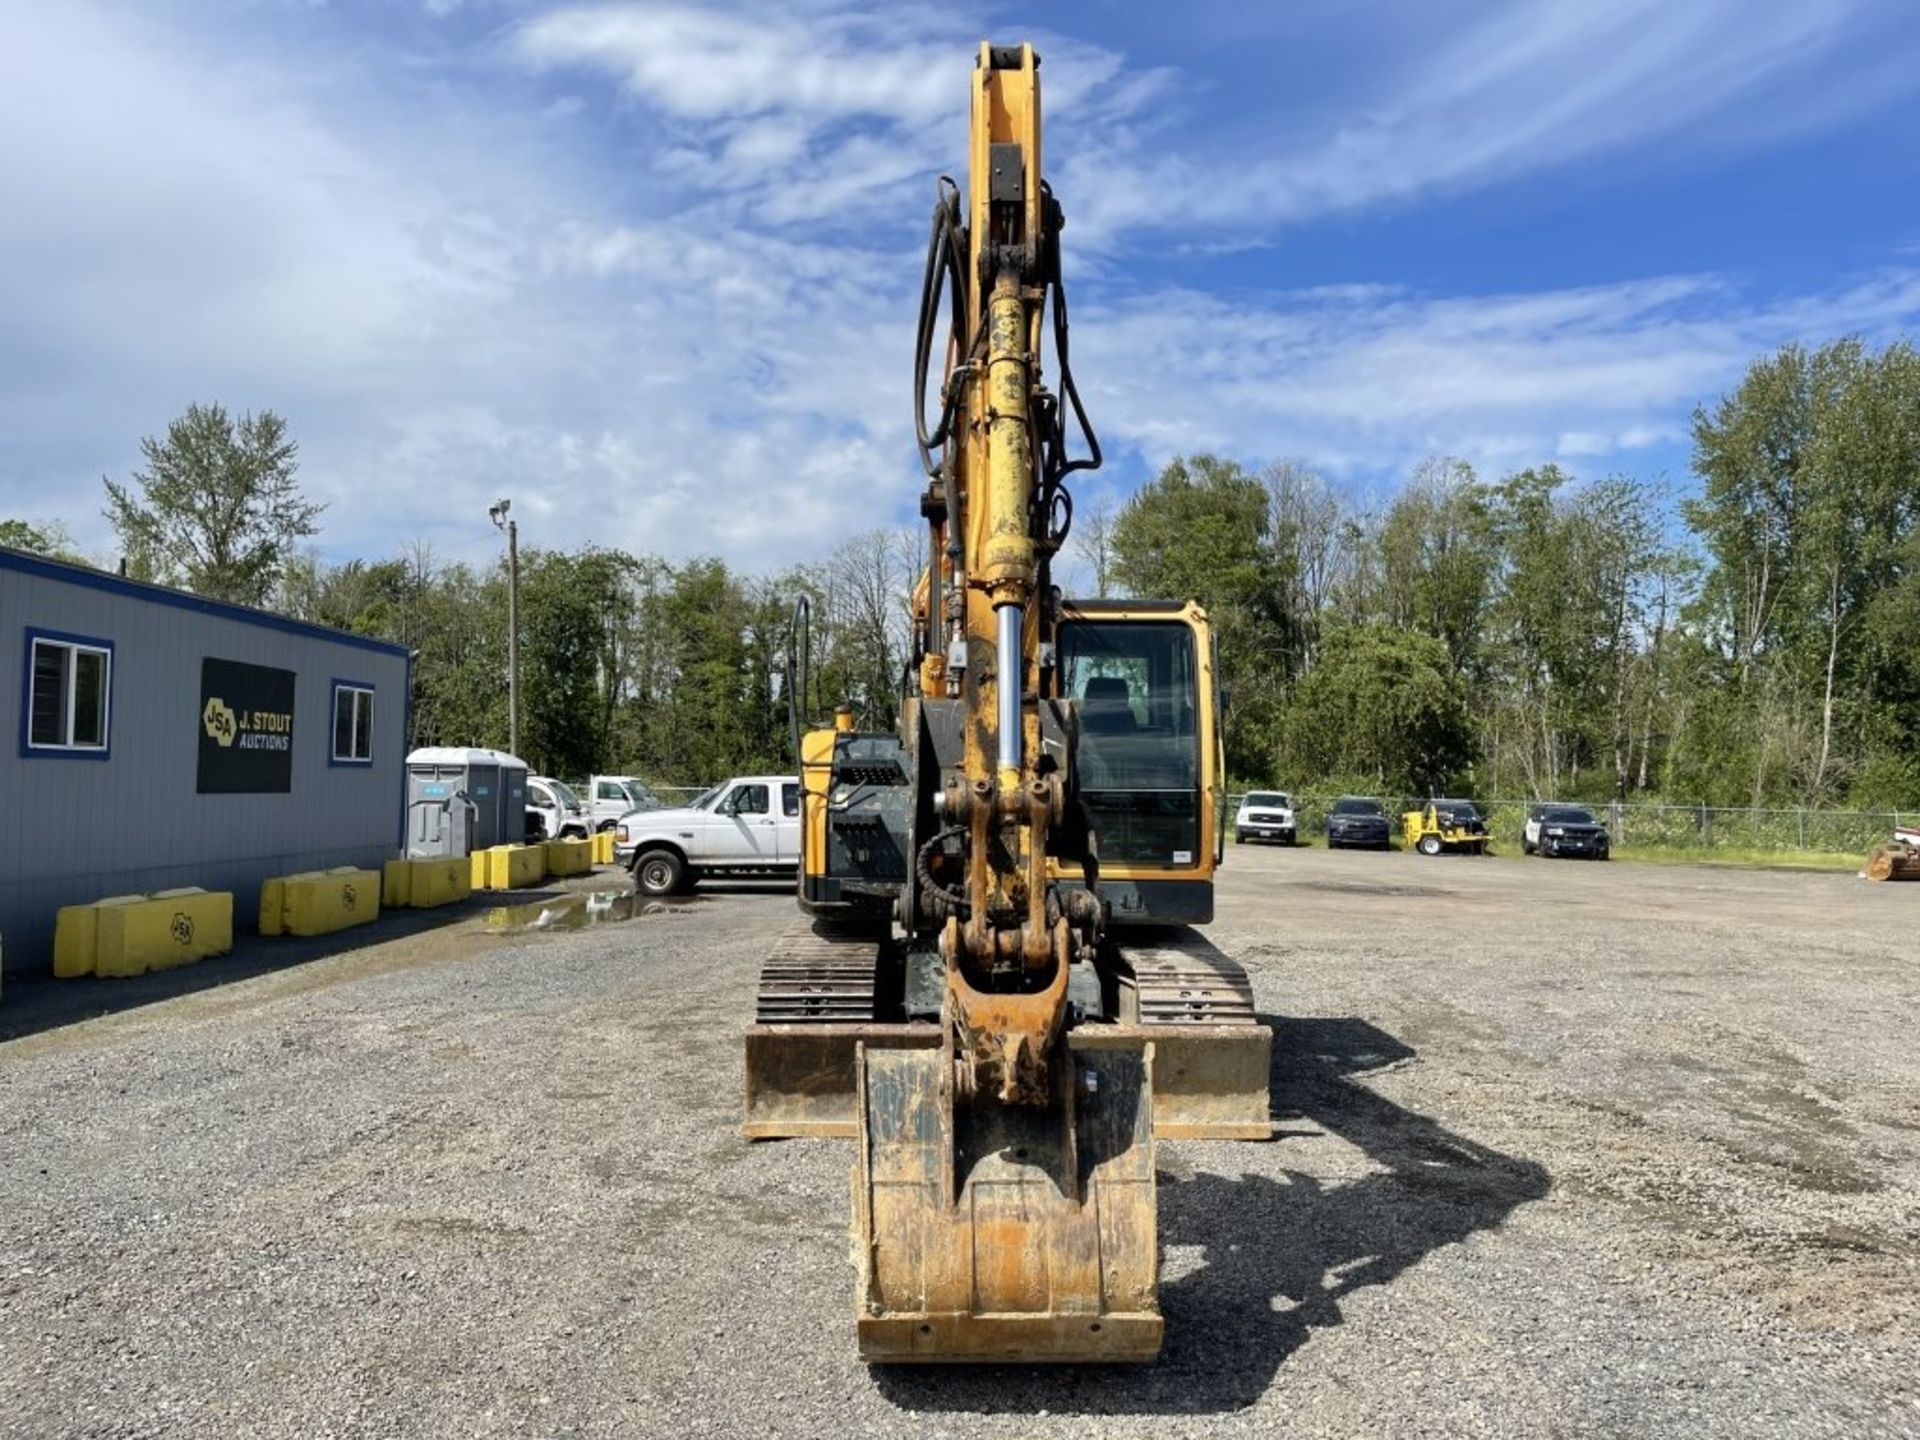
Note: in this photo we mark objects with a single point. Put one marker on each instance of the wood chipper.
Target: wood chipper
(1897, 860)
(973, 997)
(1446, 825)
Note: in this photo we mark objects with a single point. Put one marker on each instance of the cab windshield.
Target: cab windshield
(1139, 757)
(1268, 798)
(564, 793)
(705, 801)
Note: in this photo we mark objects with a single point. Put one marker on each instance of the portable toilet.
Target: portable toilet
(462, 799)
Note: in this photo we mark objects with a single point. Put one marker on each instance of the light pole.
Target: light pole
(497, 513)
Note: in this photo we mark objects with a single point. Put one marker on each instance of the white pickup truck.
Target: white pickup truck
(747, 826)
(608, 797)
(554, 810)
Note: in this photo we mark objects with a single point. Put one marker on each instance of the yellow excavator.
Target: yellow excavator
(994, 989)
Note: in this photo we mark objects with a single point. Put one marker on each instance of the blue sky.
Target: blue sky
(650, 269)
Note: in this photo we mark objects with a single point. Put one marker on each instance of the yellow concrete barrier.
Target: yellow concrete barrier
(319, 902)
(76, 935)
(509, 867)
(171, 927)
(424, 883)
(603, 847)
(439, 882)
(569, 857)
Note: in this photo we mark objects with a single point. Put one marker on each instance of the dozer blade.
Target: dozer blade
(818, 1003)
(1212, 1056)
(986, 1232)
(800, 1078)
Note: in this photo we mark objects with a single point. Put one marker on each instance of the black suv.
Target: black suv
(1358, 820)
(1564, 830)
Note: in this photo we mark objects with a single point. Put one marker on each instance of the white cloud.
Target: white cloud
(709, 64)
(1367, 383)
(1522, 89)
(455, 287)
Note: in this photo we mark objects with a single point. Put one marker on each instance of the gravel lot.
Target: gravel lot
(1566, 1150)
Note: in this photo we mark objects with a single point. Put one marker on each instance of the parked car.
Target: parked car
(554, 810)
(608, 797)
(747, 826)
(1565, 830)
(1264, 815)
(1358, 820)
(1445, 825)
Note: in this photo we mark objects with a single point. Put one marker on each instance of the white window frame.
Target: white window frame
(75, 646)
(356, 738)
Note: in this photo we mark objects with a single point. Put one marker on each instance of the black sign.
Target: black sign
(246, 729)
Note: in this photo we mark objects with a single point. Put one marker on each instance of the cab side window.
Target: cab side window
(611, 791)
(750, 800)
(789, 800)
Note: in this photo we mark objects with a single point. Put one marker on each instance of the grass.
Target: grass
(1748, 857)
(1732, 855)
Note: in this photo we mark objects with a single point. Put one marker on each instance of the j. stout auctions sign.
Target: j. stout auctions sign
(246, 728)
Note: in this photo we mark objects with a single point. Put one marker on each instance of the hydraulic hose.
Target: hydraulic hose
(954, 901)
(945, 278)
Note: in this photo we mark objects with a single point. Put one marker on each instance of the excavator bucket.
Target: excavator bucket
(989, 1232)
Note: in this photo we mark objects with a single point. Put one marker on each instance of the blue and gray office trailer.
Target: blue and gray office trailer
(168, 740)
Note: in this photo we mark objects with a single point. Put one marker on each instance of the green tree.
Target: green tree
(568, 657)
(1199, 531)
(50, 539)
(1437, 557)
(217, 506)
(1808, 502)
(1384, 704)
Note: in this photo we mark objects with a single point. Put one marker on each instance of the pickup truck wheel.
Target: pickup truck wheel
(1239, 837)
(659, 872)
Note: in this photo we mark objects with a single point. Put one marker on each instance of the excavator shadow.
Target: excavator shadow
(1277, 1253)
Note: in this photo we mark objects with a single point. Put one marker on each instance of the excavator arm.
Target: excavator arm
(955, 1003)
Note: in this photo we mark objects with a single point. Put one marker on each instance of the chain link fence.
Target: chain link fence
(1675, 827)
(1679, 827)
(678, 794)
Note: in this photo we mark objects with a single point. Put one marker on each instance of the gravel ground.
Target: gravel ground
(1565, 1149)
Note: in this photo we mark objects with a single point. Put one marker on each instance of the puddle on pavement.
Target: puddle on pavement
(580, 912)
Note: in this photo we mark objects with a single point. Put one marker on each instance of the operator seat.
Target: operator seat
(1105, 716)
(1105, 708)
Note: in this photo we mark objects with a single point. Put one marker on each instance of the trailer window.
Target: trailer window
(69, 692)
(352, 723)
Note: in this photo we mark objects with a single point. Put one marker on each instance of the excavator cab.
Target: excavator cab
(994, 988)
(1149, 759)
